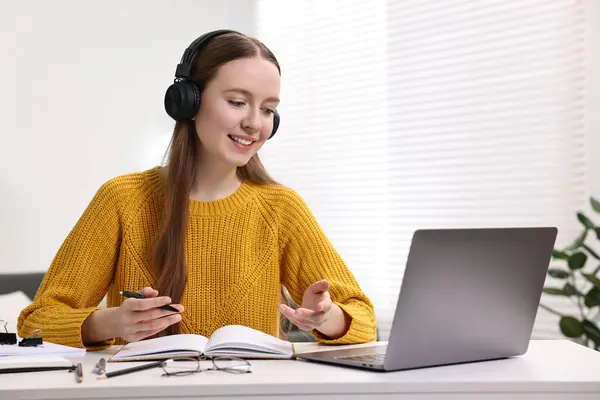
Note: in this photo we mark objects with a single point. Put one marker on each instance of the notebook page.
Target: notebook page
(242, 337)
(172, 345)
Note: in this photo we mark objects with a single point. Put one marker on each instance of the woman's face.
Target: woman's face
(236, 110)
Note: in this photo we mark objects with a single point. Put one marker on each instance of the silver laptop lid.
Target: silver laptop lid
(469, 295)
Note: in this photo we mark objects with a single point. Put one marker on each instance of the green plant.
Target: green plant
(581, 283)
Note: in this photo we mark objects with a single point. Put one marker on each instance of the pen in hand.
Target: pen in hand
(138, 318)
(136, 295)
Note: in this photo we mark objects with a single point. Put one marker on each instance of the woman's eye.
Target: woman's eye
(268, 111)
(237, 103)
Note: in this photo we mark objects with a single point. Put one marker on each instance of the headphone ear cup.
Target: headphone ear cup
(276, 120)
(182, 100)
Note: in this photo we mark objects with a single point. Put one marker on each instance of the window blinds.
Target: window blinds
(402, 115)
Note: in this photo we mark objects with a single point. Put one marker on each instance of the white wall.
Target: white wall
(593, 121)
(81, 91)
(81, 100)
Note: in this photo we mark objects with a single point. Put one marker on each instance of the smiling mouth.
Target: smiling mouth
(241, 141)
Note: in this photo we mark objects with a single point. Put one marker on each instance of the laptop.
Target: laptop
(467, 295)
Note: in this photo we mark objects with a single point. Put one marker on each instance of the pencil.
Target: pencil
(130, 370)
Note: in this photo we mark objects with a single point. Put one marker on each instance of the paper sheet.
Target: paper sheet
(33, 361)
(47, 349)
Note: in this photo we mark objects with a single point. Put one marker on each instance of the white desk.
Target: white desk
(550, 370)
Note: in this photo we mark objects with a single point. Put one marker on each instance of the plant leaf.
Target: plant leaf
(591, 331)
(598, 233)
(559, 255)
(592, 298)
(591, 251)
(595, 204)
(570, 327)
(579, 241)
(577, 260)
(558, 273)
(593, 279)
(554, 291)
(570, 290)
(585, 220)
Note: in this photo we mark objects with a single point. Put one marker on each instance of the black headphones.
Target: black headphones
(182, 99)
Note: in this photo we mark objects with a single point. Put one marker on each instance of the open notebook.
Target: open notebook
(231, 340)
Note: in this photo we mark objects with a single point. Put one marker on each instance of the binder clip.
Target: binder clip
(34, 340)
(5, 337)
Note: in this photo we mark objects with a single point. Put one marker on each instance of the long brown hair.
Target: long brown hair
(169, 253)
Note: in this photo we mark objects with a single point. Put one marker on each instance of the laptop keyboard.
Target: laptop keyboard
(368, 358)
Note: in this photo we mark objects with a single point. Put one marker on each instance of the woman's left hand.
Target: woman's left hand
(315, 310)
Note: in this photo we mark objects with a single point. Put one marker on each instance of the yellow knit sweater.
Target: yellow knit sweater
(239, 251)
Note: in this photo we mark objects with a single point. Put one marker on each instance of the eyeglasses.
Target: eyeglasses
(188, 366)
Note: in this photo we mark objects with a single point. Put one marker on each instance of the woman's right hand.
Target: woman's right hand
(137, 319)
(133, 320)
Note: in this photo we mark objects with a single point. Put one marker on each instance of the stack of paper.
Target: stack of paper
(46, 349)
(49, 356)
(33, 361)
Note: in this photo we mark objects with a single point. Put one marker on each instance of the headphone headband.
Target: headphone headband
(184, 68)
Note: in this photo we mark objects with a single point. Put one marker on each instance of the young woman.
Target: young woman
(210, 232)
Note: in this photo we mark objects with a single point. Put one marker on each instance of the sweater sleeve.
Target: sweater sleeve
(307, 256)
(79, 275)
